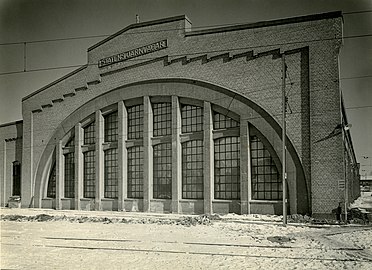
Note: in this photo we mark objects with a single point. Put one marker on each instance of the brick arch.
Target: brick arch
(192, 89)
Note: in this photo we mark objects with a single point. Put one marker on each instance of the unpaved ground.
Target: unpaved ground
(220, 244)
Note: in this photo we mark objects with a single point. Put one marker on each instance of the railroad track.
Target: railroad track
(210, 249)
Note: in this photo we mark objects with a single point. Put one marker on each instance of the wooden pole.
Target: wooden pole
(284, 174)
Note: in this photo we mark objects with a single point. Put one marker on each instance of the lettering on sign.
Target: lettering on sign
(157, 46)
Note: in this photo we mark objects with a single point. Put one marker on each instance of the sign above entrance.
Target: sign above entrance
(157, 46)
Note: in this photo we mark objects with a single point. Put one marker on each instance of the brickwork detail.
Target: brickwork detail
(246, 62)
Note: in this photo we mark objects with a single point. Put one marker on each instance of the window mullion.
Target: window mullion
(245, 168)
(148, 153)
(208, 158)
(59, 174)
(176, 155)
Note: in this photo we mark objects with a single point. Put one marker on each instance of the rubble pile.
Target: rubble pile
(297, 218)
(184, 220)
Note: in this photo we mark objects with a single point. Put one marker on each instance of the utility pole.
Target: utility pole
(284, 173)
(345, 149)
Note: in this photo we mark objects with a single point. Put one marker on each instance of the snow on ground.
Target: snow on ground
(123, 240)
(364, 201)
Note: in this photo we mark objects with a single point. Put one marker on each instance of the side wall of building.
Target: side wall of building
(10, 152)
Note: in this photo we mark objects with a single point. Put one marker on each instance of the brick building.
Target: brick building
(164, 118)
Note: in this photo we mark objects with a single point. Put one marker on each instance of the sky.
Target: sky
(47, 27)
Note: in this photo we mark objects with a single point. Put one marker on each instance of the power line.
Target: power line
(356, 12)
(208, 27)
(193, 53)
(358, 107)
(104, 36)
(42, 69)
(53, 40)
(356, 77)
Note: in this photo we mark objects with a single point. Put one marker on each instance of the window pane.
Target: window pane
(162, 171)
(135, 122)
(135, 172)
(70, 175)
(51, 192)
(162, 118)
(227, 168)
(221, 121)
(111, 173)
(192, 118)
(89, 137)
(111, 127)
(89, 174)
(192, 170)
(266, 183)
(71, 142)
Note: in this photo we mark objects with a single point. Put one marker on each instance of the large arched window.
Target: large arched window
(185, 143)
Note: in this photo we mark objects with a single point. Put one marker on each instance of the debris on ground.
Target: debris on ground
(279, 239)
(355, 216)
(183, 220)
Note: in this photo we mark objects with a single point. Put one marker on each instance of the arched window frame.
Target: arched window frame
(51, 188)
(110, 148)
(89, 156)
(274, 159)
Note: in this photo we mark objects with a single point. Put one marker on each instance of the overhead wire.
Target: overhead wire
(208, 27)
(187, 54)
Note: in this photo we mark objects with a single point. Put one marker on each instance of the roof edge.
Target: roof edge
(55, 82)
(11, 123)
(299, 19)
(138, 25)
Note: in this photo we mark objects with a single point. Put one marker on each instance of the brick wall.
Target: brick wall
(244, 61)
(10, 151)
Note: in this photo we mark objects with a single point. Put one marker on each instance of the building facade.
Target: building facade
(163, 118)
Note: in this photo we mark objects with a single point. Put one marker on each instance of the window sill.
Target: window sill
(191, 200)
(108, 199)
(265, 201)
